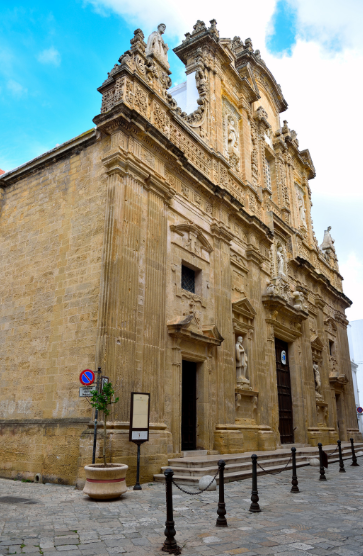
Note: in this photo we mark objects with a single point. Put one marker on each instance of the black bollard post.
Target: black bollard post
(170, 542)
(254, 507)
(221, 511)
(341, 462)
(354, 457)
(322, 470)
(294, 481)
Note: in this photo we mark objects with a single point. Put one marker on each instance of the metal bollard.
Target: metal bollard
(294, 481)
(254, 507)
(341, 462)
(322, 470)
(221, 511)
(354, 457)
(170, 542)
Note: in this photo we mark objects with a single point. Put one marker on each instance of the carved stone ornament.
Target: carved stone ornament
(231, 140)
(328, 241)
(187, 327)
(157, 47)
(241, 363)
(193, 239)
(301, 205)
(317, 381)
(280, 260)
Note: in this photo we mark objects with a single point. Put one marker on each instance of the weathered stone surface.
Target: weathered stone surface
(94, 235)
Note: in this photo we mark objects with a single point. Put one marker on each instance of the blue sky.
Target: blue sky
(54, 55)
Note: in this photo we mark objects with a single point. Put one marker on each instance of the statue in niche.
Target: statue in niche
(241, 362)
(232, 137)
(157, 46)
(280, 261)
(317, 380)
(302, 210)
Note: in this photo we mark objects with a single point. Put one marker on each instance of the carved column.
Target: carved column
(226, 374)
(117, 319)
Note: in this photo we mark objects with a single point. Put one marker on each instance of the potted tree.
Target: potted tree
(105, 480)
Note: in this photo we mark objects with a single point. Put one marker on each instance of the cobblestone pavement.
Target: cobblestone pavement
(324, 518)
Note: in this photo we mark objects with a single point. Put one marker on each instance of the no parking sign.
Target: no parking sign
(87, 377)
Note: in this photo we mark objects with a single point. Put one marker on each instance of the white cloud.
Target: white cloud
(50, 56)
(16, 88)
(234, 18)
(331, 22)
(352, 270)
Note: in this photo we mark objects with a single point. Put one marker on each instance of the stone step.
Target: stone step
(208, 461)
(194, 453)
(188, 471)
(231, 467)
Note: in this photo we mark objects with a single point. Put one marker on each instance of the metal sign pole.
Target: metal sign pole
(96, 417)
(137, 485)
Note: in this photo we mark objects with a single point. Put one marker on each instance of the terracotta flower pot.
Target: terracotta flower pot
(104, 483)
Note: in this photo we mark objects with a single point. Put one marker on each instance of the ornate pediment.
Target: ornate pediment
(192, 239)
(190, 328)
(243, 315)
(316, 343)
(317, 347)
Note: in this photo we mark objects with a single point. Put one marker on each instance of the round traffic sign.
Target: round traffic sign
(360, 409)
(87, 377)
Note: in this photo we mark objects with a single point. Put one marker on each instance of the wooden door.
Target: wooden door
(284, 392)
(189, 406)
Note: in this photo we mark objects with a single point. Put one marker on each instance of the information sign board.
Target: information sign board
(139, 417)
(85, 391)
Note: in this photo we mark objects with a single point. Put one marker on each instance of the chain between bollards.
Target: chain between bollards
(354, 457)
(254, 494)
(221, 511)
(322, 470)
(341, 462)
(170, 544)
(294, 480)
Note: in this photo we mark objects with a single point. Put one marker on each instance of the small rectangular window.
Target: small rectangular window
(331, 347)
(188, 279)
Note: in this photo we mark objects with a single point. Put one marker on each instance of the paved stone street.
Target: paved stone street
(324, 518)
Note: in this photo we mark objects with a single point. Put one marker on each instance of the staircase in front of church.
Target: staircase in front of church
(188, 470)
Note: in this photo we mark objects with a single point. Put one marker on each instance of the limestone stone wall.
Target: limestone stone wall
(51, 237)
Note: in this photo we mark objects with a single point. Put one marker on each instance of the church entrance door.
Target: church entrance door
(284, 392)
(189, 406)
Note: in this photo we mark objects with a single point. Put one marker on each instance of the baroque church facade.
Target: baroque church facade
(172, 246)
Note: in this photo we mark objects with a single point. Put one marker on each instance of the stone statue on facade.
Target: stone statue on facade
(302, 210)
(317, 380)
(280, 260)
(328, 241)
(241, 362)
(232, 137)
(157, 46)
(298, 300)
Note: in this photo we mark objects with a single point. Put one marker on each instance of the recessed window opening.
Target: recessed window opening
(331, 347)
(188, 279)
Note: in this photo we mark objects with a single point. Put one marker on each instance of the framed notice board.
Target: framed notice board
(139, 417)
